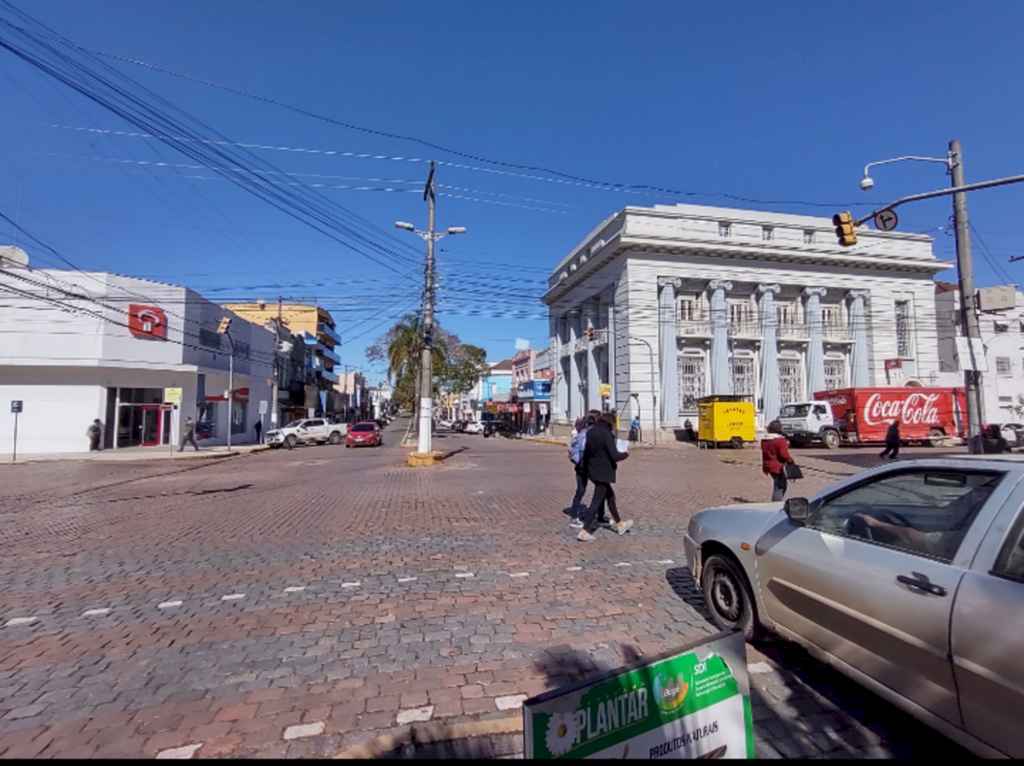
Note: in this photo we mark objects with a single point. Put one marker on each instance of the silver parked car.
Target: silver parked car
(909, 578)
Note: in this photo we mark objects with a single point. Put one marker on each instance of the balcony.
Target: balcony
(698, 327)
(327, 331)
(600, 338)
(579, 345)
(791, 332)
(327, 375)
(749, 330)
(564, 351)
(326, 353)
(837, 333)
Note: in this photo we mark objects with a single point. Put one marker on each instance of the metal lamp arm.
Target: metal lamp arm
(948, 162)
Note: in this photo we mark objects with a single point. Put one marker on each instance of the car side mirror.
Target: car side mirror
(798, 510)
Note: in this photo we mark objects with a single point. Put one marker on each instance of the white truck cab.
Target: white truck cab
(806, 422)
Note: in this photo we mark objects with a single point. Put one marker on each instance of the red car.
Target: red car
(366, 434)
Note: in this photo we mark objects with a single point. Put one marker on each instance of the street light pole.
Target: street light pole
(231, 385)
(965, 271)
(426, 383)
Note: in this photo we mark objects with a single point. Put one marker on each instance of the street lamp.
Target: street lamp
(965, 272)
(423, 444)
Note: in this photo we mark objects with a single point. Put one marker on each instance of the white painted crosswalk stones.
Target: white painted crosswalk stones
(95, 612)
(179, 753)
(168, 604)
(407, 579)
(351, 584)
(464, 574)
(512, 702)
(15, 621)
(232, 597)
(573, 569)
(623, 564)
(417, 715)
(304, 730)
(519, 574)
(294, 588)
(666, 561)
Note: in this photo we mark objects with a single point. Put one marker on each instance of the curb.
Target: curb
(390, 742)
(545, 441)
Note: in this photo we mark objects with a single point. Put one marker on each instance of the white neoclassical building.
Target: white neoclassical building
(667, 304)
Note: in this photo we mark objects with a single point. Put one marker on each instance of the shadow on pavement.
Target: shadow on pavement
(486, 746)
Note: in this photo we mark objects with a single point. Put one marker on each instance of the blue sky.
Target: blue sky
(783, 103)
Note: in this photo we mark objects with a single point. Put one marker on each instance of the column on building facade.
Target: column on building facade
(859, 372)
(593, 308)
(770, 396)
(815, 341)
(577, 377)
(668, 352)
(559, 399)
(610, 348)
(721, 379)
(563, 369)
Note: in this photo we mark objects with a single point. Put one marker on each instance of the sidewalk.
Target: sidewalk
(135, 454)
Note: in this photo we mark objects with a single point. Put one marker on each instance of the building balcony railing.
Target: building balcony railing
(579, 345)
(693, 328)
(744, 330)
(837, 333)
(600, 338)
(328, 331)
(564, 351)
(791, 332)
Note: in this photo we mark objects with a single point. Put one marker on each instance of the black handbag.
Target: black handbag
(792, 471)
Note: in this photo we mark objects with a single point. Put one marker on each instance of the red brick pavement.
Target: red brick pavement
(449, 588)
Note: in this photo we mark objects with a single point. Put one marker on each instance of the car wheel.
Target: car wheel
(335, 438)
(736, 442)
(728, 596)
(290, 441)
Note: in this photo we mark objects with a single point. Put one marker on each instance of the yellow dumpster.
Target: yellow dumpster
(724, 419)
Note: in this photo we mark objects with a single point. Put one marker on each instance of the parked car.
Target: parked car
(310, 431)
(463, 425)
(474, 427)
(908, 578)
(1013, 433)
(501, 428)
(366, 434)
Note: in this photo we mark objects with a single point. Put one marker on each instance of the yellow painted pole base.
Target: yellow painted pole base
(416, 459)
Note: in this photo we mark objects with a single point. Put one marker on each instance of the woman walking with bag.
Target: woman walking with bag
(600, 459)
(774, 459)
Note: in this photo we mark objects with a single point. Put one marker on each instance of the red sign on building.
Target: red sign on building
(146, 321)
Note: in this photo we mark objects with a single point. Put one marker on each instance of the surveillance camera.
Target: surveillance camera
(866, 183)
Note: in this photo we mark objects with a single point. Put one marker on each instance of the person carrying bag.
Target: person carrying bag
(777, 462)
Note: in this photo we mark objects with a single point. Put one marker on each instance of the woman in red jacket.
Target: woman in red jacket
(774, 456)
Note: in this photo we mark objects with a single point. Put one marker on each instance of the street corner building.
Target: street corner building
(661, 306)
(140, 356)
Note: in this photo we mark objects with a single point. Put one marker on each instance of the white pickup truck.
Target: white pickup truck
(310, 431)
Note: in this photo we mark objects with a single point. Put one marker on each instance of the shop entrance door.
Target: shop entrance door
(141, 425)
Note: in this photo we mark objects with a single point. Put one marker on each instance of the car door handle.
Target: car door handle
(916, 582)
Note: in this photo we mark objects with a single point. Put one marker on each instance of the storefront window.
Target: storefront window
(238, 417)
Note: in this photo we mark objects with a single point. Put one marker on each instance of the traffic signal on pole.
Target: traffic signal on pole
(844, 229)
(590, 333)
(224, 324)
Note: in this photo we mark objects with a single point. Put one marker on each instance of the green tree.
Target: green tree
(401, 346)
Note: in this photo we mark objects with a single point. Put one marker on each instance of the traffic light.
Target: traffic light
(844, 229)
(224, 324)
(590, 333)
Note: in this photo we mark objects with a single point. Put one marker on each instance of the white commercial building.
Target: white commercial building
(672, 303)
(1002, 337)
(76, 346)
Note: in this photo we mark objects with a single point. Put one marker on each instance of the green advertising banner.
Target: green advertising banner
(693, 702)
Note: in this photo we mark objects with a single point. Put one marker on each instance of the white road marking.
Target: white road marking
(294, 588)
(667, 561)
(168, 604)
(179, 752)
(464, 574)
(232, 597)
(304, 730)
(513, 702)
(411, 716)
(406, 579)
(21, 621)
(351, 584)
(519, 574)
(623, 564)
(573, 569)
(95, 612)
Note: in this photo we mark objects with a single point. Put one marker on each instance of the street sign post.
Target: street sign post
(690, 703)
(886, 220)
(16, 407)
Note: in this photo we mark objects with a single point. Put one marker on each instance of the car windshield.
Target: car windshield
(362, 427)
(795, 411)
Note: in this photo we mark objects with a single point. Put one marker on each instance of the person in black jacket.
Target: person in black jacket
(892, 441)
(599, 461)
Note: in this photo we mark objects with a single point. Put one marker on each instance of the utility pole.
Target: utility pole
(965, 270)
(277, 368)
(224, 329)
(426, 383)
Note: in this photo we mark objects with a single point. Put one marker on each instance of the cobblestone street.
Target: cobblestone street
(299, 603)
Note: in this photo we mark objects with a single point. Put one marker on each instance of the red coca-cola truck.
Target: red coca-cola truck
(859, 415)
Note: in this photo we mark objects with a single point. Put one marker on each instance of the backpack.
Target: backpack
(577, 446)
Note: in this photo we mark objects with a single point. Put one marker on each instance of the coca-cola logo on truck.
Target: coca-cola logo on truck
(913, 409)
